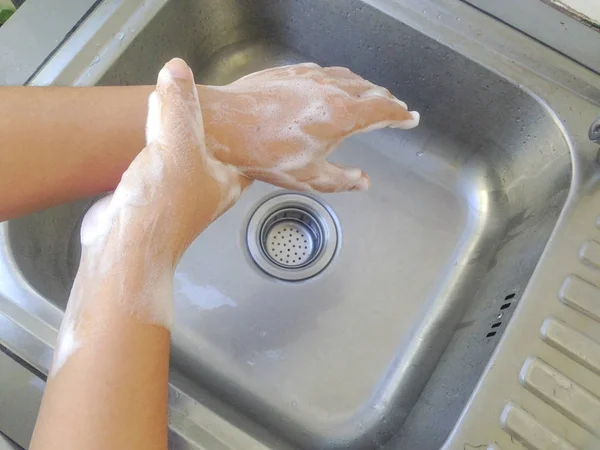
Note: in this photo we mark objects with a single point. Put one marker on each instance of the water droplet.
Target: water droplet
(120, 36)
(419, 153)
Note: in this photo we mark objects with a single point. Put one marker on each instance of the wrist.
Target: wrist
(135, 286)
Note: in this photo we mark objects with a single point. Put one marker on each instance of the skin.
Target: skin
(109, 380)
(89, 136)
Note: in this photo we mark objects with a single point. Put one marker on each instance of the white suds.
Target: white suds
(68, 342)
(407, 124)
(95, 225)
(316, 99)
(153, 125)
(65, 346)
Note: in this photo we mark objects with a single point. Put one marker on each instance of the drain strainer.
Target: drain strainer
(292, 237)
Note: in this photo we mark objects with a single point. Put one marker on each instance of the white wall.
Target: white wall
(590, 8)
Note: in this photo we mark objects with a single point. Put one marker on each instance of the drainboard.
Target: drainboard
(331, 346)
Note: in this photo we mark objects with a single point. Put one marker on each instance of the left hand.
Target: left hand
(279, 125)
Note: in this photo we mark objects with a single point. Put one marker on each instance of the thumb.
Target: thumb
(174, 114)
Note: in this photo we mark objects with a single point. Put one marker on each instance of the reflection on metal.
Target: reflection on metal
(33, 33)
(574, 13)
(594, 132)
(550, 22)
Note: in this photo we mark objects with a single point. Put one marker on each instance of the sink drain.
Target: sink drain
(292, 237)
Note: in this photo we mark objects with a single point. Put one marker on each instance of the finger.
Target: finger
(290, 70)
(374, 112)
(355, 85)
(276, 178)
(305, 68)
(362, 115)
(336, 178)
(174, 115)
(343, 73)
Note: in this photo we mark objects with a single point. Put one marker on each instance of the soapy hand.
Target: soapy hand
(280, 125)
(206, 143)
(173, 189)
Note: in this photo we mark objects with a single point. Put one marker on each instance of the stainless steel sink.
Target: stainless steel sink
(385, 341)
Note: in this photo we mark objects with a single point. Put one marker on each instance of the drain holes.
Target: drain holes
(507, 301)
(292, 236)
(505, 305)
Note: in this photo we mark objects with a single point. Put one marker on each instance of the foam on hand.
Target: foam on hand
(107, 232)
(323, 106)
(290, 119)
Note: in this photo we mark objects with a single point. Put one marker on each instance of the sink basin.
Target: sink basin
(397, 327)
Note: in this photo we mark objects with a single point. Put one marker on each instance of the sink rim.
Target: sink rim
(581, 152)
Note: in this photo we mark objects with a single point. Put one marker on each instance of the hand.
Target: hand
(280, 125)
(173, 189)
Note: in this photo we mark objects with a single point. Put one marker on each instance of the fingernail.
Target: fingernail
(153, 125)
(362, 185)
(416, 117)
(353, 173)
(178, 69)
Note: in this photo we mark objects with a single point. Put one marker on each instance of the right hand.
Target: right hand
(173, 189)
(279, 125)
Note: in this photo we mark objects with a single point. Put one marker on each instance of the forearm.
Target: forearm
(111, 394)
(61, 144)
(109, 382)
